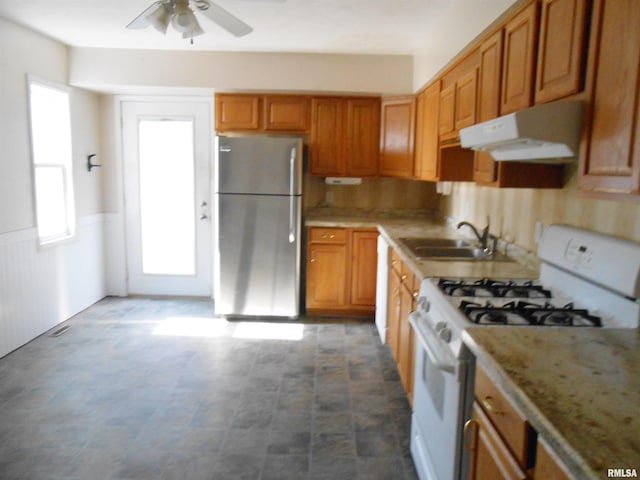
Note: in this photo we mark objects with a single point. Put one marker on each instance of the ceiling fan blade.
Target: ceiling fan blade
(141, 20)
(226, 20)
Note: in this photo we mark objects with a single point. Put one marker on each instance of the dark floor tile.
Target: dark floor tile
(332, 422)
(376, 444)
(289, 443)
(373, 422)
(387, 468)
(333, 467)
(327, 445)
(245, 441)
(237, 467)
(332, 402)
(292, 421)
(285, 467)
(112, 400)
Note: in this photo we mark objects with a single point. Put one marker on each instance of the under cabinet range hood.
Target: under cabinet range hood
(547, 133)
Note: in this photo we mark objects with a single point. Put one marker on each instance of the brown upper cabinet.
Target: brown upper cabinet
(458, 98)
(237, 112)
(518, 63)
(345, 136)
(256, 112)
(397, 136)
(560, 67)
(426, 138)
(486, 170)
(289, 113)
(612, 160)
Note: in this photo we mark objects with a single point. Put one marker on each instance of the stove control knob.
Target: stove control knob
(440, 326)
(423, 303)
(445, 334)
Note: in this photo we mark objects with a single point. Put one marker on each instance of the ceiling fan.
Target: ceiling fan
(180, 15)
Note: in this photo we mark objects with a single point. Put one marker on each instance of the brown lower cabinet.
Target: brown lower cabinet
(502, 443)
(341, 271)
(403, 291)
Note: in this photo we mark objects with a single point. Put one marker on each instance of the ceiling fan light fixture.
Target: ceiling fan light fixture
(194, 31)
(160, 17)
(184, 21)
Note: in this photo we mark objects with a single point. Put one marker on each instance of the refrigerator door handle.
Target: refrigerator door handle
(292, 185)
(292, 172)
(292, 219)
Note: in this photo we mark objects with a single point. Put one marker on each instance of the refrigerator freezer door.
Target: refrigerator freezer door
(259, 263)
(260, 164)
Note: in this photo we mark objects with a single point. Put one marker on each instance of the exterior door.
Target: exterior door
(167, 152)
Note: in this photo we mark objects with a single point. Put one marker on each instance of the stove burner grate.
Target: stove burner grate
(526, 313)
(492, 288)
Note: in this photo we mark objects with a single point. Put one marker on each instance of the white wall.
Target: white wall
(443, 43)
(40, 287)
(126, 71)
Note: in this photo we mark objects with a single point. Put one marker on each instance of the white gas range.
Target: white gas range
(587, 280)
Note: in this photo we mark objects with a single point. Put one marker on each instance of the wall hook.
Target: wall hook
(89, 164)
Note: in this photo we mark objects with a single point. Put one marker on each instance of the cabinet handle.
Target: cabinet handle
(487, 403)
(325, 235)
(312, 260)
(470, 445)
(404, 277)
(415, 294)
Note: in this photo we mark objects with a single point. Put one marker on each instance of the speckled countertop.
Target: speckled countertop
(396, 224)
(579, 388)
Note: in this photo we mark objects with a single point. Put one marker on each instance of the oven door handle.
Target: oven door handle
(441, 358)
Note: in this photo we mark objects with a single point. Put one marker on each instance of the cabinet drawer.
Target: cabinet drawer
(509, 422)
(328, 235)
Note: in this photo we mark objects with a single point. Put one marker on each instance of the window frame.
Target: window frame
(66, 166)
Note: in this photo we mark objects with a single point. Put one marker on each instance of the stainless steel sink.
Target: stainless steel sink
(452, 252)
(449, 249)
(412, 243)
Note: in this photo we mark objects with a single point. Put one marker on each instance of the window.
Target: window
(51, 154)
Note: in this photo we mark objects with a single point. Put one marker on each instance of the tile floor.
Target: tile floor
(157, 389)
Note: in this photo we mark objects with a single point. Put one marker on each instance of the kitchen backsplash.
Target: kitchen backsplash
(515, 212)
(384, 193)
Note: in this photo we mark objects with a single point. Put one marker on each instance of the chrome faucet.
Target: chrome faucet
(483, 237)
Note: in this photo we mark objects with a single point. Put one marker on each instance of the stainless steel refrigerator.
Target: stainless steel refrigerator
(258, 213)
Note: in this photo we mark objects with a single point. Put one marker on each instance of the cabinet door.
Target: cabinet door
(520, 37)
(548, 467)
(427, 133)
(288, 113)
(447, 115)
(237, 112)
(490, 457)
(612, 163)
(485, 168)
(465, 99)
(397, 137)
(326, 276)
(560, 49)
(362, 140)
(393, 312)
(405, 347)
(326, 155)
(364, 245)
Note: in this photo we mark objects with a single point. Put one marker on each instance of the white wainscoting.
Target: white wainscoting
(43, 286)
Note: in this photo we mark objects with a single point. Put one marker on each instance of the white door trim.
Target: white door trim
(201, 110)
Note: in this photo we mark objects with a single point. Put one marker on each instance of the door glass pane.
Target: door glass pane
(167, 210)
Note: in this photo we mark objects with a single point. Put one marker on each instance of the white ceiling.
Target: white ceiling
(326, 26)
